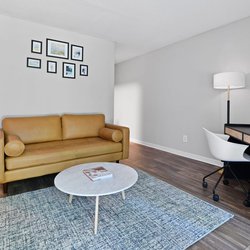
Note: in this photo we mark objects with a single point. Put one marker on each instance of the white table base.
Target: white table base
(96, 209)
(96, 214)
(70, 198)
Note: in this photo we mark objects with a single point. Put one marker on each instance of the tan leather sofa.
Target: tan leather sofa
(53, 143)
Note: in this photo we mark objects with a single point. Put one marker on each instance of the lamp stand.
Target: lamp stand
(228, 111)
(228, 104)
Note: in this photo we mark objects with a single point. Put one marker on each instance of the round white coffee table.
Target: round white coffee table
(73, 181)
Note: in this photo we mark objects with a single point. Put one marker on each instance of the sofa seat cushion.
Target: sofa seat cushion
(51, 152)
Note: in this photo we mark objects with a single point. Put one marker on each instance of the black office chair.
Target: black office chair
(227, 152)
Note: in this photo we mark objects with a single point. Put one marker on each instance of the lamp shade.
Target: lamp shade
(231, 80)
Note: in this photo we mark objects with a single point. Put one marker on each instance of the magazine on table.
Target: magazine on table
(97, 173)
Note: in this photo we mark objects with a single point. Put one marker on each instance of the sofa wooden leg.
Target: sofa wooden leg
(3, 190)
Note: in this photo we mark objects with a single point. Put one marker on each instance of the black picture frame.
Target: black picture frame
(84, 70)
(77, 52)
(50, 66)
(57, 49)
(69, 70)
(36, 46)
(33, 63)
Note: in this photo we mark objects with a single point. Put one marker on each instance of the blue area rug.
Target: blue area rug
(155, 215)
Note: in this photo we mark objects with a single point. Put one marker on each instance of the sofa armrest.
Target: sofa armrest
(125, 138)
(1, 156)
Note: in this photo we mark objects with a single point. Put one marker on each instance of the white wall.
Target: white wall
(169, 93)
(27, 91)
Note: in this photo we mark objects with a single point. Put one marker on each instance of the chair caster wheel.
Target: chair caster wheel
(226, 182)
(204, 184)
(246, 203)
(216, 197)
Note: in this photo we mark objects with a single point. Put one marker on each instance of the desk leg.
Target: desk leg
(123, 195)
(96, 213)
(70, 198)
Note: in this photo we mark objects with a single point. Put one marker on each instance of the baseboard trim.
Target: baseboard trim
(179, 152)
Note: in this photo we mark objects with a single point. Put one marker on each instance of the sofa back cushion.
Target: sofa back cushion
(34, 129)
(82, 126)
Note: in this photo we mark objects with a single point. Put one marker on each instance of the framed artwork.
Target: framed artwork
(51, 66)
(36, 46)
(33, 63)
(55, 48)
(69, 70)
(76, 52)
(84, 70)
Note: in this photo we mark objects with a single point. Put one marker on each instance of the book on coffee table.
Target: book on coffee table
(97, 173)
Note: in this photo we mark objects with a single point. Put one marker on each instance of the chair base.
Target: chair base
(241, 169)
(227, 168)
(246, 202)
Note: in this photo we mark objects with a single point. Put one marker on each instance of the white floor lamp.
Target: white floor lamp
(229, 80)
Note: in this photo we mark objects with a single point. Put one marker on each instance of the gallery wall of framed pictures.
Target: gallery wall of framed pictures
(56, 49)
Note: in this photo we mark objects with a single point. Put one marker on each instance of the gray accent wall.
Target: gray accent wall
(169, 93)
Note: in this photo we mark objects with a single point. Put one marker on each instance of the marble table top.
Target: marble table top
(74, 182)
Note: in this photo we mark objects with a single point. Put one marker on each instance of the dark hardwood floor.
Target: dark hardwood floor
(187, 175)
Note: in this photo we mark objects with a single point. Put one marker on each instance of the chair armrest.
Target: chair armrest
(2, 168)
(125, 138)
(223, 136)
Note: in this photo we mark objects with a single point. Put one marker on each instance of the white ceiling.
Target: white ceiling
(136, 26)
